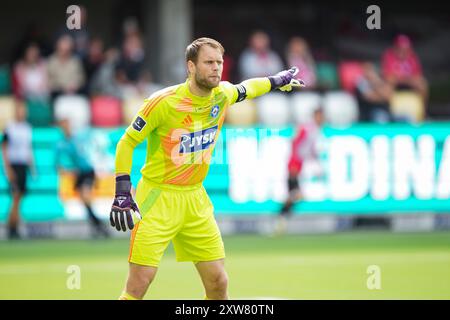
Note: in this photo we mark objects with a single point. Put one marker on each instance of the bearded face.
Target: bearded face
(207, 71)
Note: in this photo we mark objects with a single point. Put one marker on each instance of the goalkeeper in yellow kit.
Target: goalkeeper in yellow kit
(181, 125)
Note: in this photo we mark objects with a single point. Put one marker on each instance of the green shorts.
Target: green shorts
(182, 214)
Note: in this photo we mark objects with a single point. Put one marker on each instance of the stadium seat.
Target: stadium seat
(407, 105)
(349, 72)
(341, 108)
(7, 106)
(303, 105)
(130, 107)
(40, 113)
(273, 109)
(106, 111)
(242, 113)
(5, 81)
(327, 76)
(75, 108)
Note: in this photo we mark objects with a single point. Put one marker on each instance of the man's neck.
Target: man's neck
(196, 90)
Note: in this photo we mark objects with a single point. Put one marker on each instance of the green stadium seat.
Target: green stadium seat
(5, 80)
(40, 113)
(327, 76)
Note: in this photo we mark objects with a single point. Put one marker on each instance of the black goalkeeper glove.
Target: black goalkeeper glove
(285, 80)
(124, 208)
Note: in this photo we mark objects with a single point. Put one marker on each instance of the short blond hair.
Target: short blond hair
(193, 49)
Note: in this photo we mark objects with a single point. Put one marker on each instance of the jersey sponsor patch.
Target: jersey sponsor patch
(199, 140)
(139, 124)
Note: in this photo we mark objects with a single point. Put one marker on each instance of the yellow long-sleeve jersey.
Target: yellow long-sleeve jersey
(181, 130)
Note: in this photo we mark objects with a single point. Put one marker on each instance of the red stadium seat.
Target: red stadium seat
(349, 72)
(106, 111)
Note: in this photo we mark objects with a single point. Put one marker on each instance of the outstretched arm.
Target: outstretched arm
(255, 87)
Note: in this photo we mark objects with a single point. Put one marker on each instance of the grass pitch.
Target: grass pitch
(332, 266)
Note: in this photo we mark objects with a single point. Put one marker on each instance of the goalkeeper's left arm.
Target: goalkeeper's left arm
(124, 211)
(256, 87)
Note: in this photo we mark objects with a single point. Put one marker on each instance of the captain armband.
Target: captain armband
(242, 92)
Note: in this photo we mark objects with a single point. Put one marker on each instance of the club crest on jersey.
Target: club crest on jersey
(139, 124)
(199, 140)
(215, 111)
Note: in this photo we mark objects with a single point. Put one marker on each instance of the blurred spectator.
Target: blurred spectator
(30, 79)
(92, 61)
(103, 81)
(258, 60)
(65, 71)
(132, 58)
(145, 86)
(130, 27)
(402, 68)
(34, 33)
(18, 159)
(299, 55)
(373, 94)
(81, 36)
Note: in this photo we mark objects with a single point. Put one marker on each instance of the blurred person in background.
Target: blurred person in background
(258, 60)
(18, 159)
(128, 72)
(92, 61)
(30, 79)
(304, 148)
(132, 56)
(81, 36)
(299, 55)
(33, 34)
(104, 80)
(65, 70)
(402, 69)
(74, 147)
(373, 94)
(145, 85)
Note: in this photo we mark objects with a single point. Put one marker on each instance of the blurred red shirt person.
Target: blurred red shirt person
(401, 67)
(304, 147)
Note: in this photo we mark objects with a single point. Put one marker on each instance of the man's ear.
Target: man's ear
(190, 67)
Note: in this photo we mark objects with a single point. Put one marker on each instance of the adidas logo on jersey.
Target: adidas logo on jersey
(199, 140)
(187, 120)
